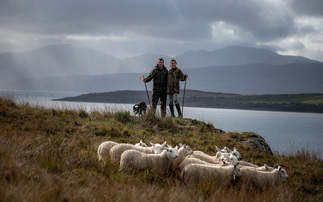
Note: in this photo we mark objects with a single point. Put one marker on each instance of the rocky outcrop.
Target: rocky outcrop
(258, 143)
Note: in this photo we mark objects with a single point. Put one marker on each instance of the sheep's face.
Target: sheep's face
(230, 158)
(171, 153)
(236, 172)
(283, 174)
(188, 150)
(237, 154)
(158, 149)
(224, 156)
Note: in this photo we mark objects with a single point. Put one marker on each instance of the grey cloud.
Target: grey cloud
(83, 16)
(156, 25)
(180, 19)
(308, 7)
(255, 17)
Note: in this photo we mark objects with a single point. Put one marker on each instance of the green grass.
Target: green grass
(51, 155)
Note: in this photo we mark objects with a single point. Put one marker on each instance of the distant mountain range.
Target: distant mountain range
(233, 69)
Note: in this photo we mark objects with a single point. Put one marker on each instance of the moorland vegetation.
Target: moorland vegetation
(51, 155)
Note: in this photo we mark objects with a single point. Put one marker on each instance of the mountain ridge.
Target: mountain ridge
(66, 67)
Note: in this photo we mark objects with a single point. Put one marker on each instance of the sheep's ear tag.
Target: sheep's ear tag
(266, 167)
(184, 146)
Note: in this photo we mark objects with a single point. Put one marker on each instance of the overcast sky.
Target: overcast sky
(126, 28)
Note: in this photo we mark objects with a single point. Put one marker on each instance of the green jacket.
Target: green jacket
(173, 78)
(160, 78)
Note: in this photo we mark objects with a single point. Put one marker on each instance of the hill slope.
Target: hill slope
(51, 155)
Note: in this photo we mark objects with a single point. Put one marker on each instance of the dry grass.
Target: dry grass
(51, 155)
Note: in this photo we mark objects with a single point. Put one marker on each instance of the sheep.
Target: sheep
(188, 161)
(117, 150)
(133, 161)
(158, 148)
(265, 168)
(235, 153)
(141, 144)
(260, 179)
(104, 149)
(220, 152)
(204, 157)
(229, 158)
(196, 173)
(247, 164)
(183, 152)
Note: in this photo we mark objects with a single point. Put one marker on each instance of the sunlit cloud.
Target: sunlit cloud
(223, 31)
(96, 38)
(307, 41)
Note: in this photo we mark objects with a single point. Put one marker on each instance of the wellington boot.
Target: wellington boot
(171, 107)
(180, 115)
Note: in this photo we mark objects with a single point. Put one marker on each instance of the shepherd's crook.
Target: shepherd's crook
(140, 77)
(184, 96)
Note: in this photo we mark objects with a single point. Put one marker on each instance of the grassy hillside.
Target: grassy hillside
(284, 102)
(51, 155)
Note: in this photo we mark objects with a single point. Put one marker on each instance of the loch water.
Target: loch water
(285, 132)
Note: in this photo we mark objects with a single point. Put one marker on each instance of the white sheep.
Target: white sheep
(201, 173)
(204, 157)
(248, 164)
(227, 157)
(188, 161)
(235, 153)
(158, 148)
(220, 152)
(183, 152)
(260, 179)
(265, 168)
(133, 161)
(261, 168)
(141, 144)
(104, 149)
(117, 150)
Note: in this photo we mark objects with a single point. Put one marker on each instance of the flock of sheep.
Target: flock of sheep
(191, 167)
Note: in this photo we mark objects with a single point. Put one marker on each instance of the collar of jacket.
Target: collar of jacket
(173, 69)
(159, 68)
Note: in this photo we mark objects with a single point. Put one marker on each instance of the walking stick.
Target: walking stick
(184, 96)
(140, 77)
